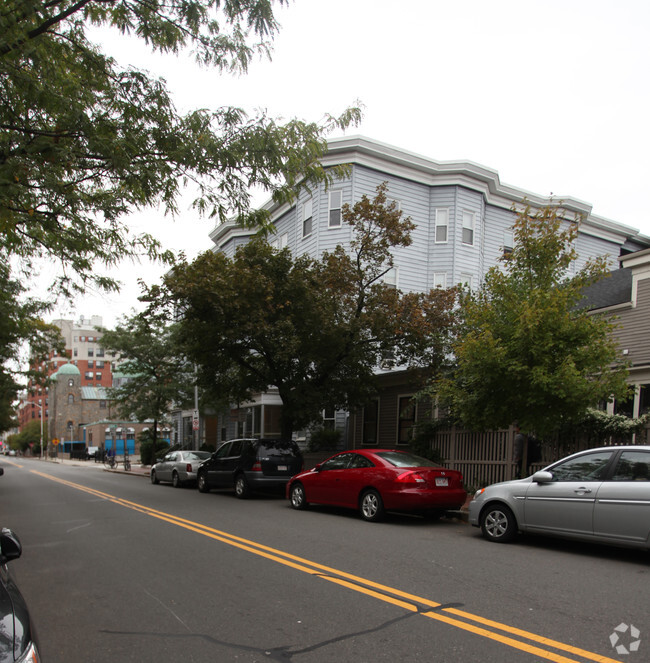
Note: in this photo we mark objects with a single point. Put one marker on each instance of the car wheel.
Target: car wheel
(176, 480)
(202, 483)
(154, 478)
(242, 489)
(498, 523)
(297, 496)
(371, 506)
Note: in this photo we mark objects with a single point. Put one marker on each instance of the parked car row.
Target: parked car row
(599, 495)
(372, 481)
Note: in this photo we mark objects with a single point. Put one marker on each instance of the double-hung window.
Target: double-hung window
(307, 214)
(440, 280)
(508, 242)
(442, 225)
(335, 204)
(468, 228)
(391, 277)
(370, 423)
(406, 420)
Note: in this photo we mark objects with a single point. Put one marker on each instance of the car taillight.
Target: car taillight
(411, 477)
(188, 467)
(257, 466)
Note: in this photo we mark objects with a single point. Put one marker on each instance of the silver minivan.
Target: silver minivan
(600, 495)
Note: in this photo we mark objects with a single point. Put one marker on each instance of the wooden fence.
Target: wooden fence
(486, 458)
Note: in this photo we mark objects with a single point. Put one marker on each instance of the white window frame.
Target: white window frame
(440, 279)
(391, 277)
(334, 207)
(307, 217)
(441, 221)
(329, 421)
(469, 224)
(467, 279)
(508, 241)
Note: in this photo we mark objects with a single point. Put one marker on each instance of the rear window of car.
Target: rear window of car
(405, 459)
(199, 455)
(278, 448)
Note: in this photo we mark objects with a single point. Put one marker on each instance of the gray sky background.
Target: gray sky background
(553, 95)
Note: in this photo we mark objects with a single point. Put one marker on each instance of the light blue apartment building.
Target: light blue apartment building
(463, 215)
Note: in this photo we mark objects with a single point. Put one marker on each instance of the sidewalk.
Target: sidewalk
(136, 468)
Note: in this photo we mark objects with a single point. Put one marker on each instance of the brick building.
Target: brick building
(83, 348)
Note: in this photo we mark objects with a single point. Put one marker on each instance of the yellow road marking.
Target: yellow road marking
(370, 588)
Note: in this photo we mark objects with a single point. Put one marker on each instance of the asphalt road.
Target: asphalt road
(116, 569)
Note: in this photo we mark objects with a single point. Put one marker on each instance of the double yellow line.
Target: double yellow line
(510, 636)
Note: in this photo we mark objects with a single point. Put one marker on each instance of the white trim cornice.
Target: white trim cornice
(362, 151)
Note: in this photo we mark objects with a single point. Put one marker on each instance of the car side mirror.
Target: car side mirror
(10, 547)
(543, 477)
(316, 468)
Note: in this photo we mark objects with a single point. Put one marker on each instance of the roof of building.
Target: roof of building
(93, 394)
(615, 289)
(67, 369)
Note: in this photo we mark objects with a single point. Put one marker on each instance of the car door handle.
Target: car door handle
(582, 491)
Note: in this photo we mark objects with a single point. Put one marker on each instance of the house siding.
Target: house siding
(634, 326)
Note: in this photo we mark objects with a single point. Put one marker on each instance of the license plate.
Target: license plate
(442, 481)
(283, 468)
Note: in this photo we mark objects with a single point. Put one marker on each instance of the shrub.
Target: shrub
(148, 454)
(324, 439)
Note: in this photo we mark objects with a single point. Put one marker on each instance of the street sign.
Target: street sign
(55, 441)
(195, 420)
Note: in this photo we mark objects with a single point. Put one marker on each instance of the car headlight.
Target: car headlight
(478, 493)
(30, 655)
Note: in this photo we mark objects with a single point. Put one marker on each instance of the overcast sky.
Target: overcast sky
(553, 95)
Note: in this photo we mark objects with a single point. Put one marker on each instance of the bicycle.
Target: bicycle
(127, 464)
(110, 462)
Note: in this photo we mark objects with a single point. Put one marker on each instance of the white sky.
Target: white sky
(552, 94)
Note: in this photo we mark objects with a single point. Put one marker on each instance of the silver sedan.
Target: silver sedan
(600, 495)
(178, 467)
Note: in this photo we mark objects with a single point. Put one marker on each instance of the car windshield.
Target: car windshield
(404, 459)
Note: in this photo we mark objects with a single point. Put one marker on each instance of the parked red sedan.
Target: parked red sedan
(379, 480)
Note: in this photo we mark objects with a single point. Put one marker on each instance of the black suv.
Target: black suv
(250, 464)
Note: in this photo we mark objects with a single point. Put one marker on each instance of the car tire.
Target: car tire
(498, 523)
(154, 478)
(297, 496)
(202, 483)
(371, 506)
(176, 480)
(242, 489)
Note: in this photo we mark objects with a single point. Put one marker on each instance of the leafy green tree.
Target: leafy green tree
(157, 374)
(315, 330)
(83, 141)
(20, 321)
(29, 437)
(526, 351)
